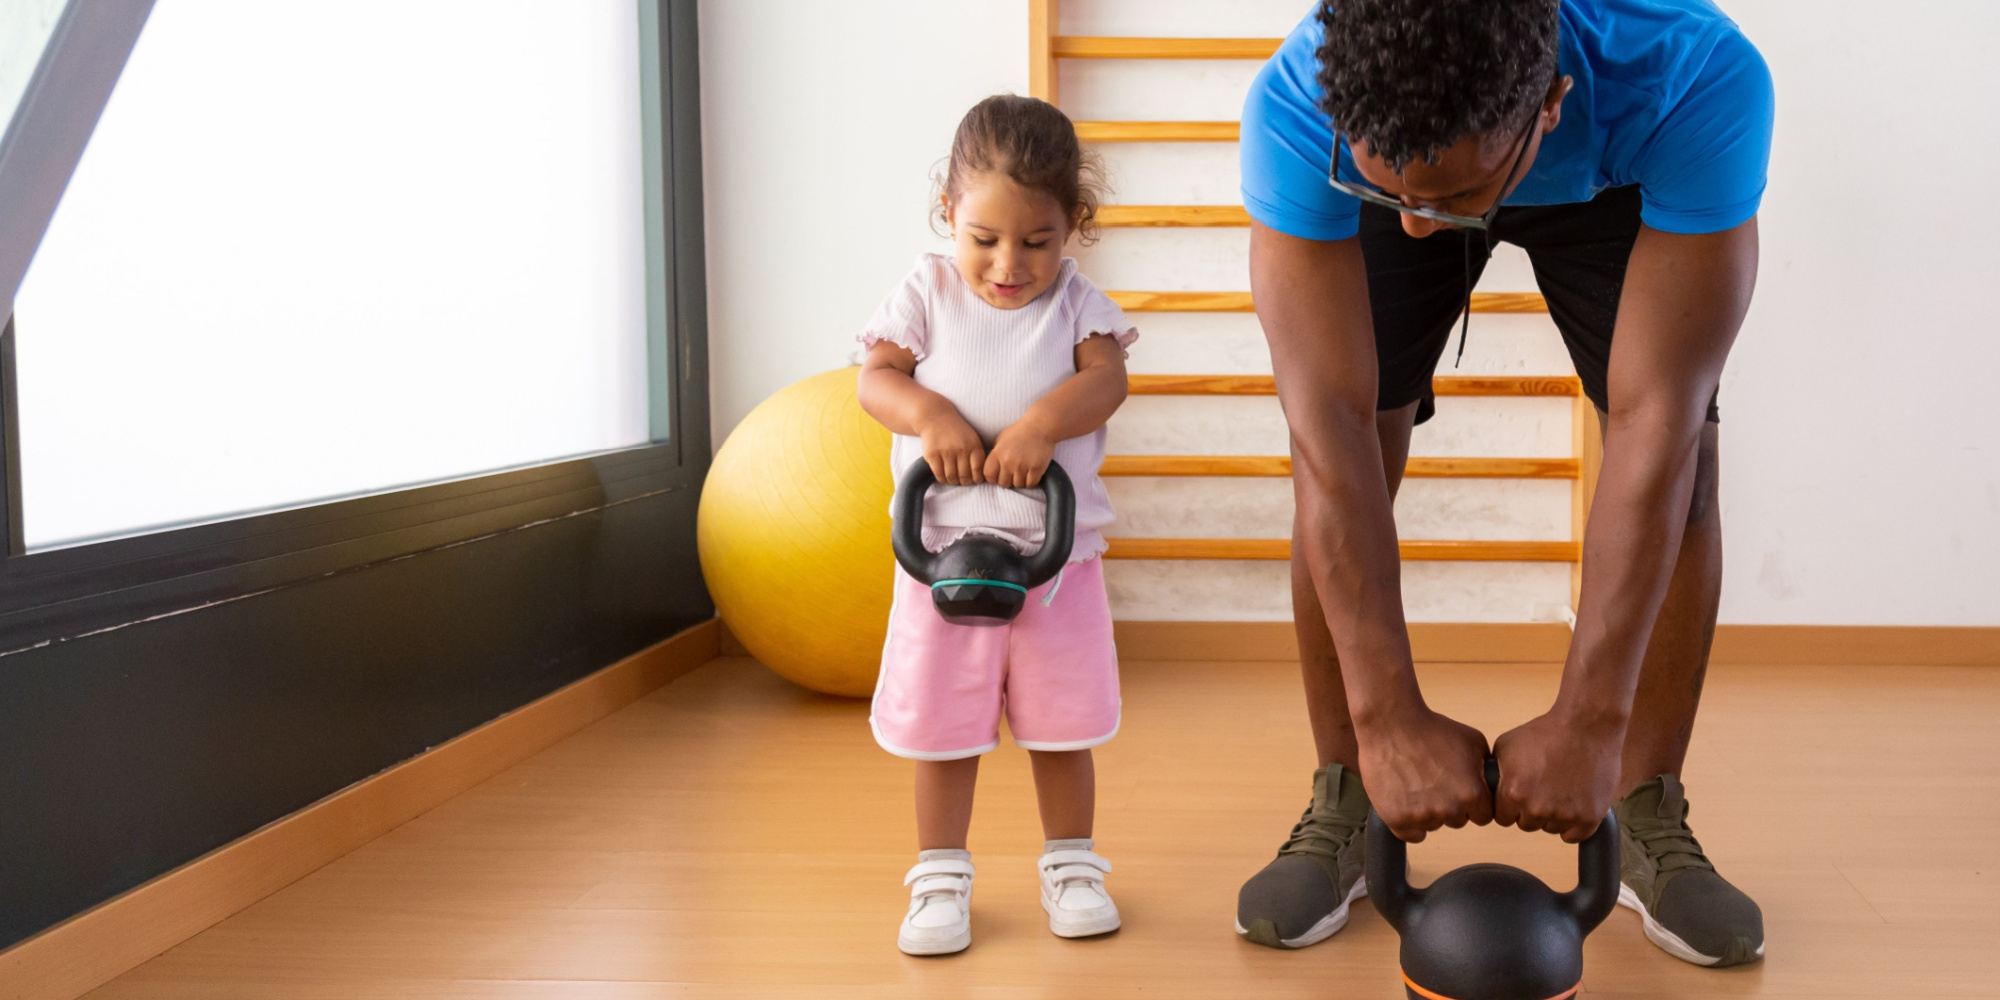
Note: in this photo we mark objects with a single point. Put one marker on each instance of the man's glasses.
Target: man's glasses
(1375, 196)
(1483, 223)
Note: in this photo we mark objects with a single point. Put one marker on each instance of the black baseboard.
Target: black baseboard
(127, 753)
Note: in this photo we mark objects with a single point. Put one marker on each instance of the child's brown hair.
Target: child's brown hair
(1034, 144)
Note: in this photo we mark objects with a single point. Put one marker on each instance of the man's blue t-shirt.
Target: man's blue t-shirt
(1669, 95)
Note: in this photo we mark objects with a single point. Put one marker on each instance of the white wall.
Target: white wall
(820, 123)
(1861, 483)
(1861, 476)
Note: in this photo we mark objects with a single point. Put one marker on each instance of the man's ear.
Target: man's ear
(1553, 103)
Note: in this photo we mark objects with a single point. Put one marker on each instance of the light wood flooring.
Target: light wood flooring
(734, 836)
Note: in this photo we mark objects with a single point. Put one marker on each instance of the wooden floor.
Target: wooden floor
(733, 836)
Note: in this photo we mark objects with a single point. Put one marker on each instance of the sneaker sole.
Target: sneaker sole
(1667, 940)
(949, 946)
(1083, 928)
(1327, 925)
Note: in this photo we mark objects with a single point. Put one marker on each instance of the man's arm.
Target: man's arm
(1683, 303)
(1422, 770)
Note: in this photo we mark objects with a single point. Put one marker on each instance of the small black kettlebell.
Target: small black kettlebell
(979, 579)
(1492, 932)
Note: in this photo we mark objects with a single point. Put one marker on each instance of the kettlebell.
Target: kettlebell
(1492, 932)
(979, 579)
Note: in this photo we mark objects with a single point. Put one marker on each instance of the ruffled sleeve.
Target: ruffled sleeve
(1095, 313)
(904, 318)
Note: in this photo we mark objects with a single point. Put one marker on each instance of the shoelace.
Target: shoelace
(1323, 832)
(1672, 847)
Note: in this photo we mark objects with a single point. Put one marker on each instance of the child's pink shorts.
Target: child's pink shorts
(1053, 670)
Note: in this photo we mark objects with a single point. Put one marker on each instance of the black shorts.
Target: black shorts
(1416, 287)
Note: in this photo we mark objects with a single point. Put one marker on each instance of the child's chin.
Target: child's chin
(1014, 300)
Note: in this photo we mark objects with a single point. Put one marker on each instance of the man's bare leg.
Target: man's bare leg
(1303, 895)
(1326, 697)
(1698, 915)
(1663, 708)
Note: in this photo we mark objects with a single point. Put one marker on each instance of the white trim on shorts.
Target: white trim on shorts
(1075, 745)
(929, 754)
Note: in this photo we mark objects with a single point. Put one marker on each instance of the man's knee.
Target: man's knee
(1707, 471)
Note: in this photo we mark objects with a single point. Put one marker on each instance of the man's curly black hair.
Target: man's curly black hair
(1409, 78)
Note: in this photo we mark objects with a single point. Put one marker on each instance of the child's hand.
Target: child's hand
(1020, 455)
(956, 454)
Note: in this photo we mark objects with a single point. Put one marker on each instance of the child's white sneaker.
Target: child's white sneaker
(1073, 890)
(940, 917)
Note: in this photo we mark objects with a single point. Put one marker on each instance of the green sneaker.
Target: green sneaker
(1302, 896)
(1690, 911)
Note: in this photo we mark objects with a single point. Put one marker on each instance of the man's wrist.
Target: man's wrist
(1597, 716)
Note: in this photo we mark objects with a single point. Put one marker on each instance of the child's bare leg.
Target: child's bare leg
(1066, 787)
(944, 802)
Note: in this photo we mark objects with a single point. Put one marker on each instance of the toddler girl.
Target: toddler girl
(986, 364)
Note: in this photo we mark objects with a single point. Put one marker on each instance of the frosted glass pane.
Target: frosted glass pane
(316, 250)
(25, 27)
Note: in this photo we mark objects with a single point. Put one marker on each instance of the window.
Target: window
(317, 251)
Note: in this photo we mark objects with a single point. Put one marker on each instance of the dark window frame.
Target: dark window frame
(62, 593)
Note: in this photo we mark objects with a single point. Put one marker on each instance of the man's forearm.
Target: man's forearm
(1637, 518)
(1684, 300)
(1347, 531)
(1312, 299)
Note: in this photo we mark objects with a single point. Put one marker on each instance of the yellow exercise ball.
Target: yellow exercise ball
(794, 535)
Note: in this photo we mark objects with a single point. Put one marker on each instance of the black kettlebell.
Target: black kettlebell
(1492, 932)
(979, 579)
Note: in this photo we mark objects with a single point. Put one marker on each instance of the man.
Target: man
(1623, 144)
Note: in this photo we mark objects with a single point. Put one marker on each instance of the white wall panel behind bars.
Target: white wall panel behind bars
(314, 251)
(1154, 89)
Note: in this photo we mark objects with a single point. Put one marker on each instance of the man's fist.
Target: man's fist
(1424, 771)
(1558, 775)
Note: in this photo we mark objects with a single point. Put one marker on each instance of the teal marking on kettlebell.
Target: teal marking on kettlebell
(989, 583)
(979, 579)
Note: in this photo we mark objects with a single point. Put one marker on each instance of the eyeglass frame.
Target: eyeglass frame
(1377, 197)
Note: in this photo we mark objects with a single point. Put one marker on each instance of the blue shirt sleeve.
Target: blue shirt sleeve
(1287, 145)
(1703, 169)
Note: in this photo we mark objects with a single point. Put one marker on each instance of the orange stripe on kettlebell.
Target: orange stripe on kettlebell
(1428, 995)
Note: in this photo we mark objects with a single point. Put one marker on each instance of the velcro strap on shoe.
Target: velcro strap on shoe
(948, 866)
(1060, 859)
(1072, 874)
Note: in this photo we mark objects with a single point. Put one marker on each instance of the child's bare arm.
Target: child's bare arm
(1077, 407)
(888, 393)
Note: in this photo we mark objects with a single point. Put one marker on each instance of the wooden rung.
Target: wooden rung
(1428, 467)
(1239, 302)
(1197, 302)
(1281, 465)
(1196, 465)
(1507, 385)
(1281, 548)
(1199, 216)
(1099, 47)
(1158, 131)
(1443, 385)
(1509, 302)
(1201, 385)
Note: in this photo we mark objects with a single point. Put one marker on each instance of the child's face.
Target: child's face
(1009, 239)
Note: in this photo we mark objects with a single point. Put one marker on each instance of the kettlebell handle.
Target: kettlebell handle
(1589, 903)
(907, 524)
